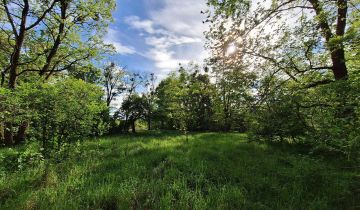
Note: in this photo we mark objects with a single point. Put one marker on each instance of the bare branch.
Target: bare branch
(10, 18)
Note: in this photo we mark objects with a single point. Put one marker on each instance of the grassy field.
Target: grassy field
(164, 171)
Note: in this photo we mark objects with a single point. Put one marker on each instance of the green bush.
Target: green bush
(326, 117)
(58, 112)
(338, 125)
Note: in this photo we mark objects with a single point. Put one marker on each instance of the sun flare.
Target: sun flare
(231, 49)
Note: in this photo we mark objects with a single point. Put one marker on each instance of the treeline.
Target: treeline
(188, 99)
(271, 108)
(287, 81)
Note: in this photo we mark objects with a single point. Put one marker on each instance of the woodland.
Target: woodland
(269, 120)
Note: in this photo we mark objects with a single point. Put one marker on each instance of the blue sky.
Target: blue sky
(156, 35)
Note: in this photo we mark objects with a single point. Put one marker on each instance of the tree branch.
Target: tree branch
(54, 49)
(10, 18)
(42, 16)
(324, 25)
(341, 20)
(321, 82)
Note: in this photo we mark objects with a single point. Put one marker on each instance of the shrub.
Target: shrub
(58, 112)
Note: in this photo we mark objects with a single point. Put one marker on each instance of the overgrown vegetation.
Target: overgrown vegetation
(164, 171)
(284, 73)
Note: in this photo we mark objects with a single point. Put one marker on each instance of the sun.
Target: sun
(231, 49)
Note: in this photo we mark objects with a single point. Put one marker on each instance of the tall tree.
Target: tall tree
(113, 77)
(46, 38)
(267, 36)
(150, 98)
(49, 37)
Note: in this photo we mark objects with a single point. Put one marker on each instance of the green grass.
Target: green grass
(164, 171)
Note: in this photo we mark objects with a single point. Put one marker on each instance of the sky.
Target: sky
(154, 36)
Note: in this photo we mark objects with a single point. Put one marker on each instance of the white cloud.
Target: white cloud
(182, 17)
(173, 33)
(111, 38)
(164, 59)
(122, 49)
(162, 53)
(171, 40)
(135, 22)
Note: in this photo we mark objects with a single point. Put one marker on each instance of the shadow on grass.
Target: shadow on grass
(217, 171)
(157, 170)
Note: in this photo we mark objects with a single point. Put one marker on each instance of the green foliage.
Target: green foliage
(58, 112)
(279, 115)
(66, 38)
(162, 171)
(326, 117)
(71, 112)
(167, 94)
(133, 107)
(337, 125)
(234, 98)
(185, 100)
(304, 91)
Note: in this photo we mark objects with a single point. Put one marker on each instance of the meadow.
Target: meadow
(160, 170)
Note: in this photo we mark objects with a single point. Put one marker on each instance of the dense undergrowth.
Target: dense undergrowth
(164, 171)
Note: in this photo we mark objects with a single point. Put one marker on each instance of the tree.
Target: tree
(133, 108)
(45, 37)
(185, 100)
(72, 111)
(234, 96)
(113, 81)
(278, 114)
(170, 98)
(48, 38)
(304, 56)
(267, 36)
(150, 98)
(199, 97)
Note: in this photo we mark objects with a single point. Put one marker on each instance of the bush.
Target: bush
(326, 116)
(58, 112)
(338, 125)
(279, 117)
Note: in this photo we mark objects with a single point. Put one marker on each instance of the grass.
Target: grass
(164, 171)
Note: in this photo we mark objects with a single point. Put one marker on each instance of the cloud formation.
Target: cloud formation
(173, 33)
(181, 17)
(112, 38)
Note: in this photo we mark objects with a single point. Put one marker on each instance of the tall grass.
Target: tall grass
(164, 171)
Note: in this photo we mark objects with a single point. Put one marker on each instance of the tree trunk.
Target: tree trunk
(133, 126)
(126, 124)
(337, 52)
(8, 134)
(15, 56)
(227, 123)
(149, 123)
(2, 78)
(2, 129)
(339, 66)
(21, 134)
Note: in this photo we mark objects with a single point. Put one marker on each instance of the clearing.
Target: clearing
(160, 170)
